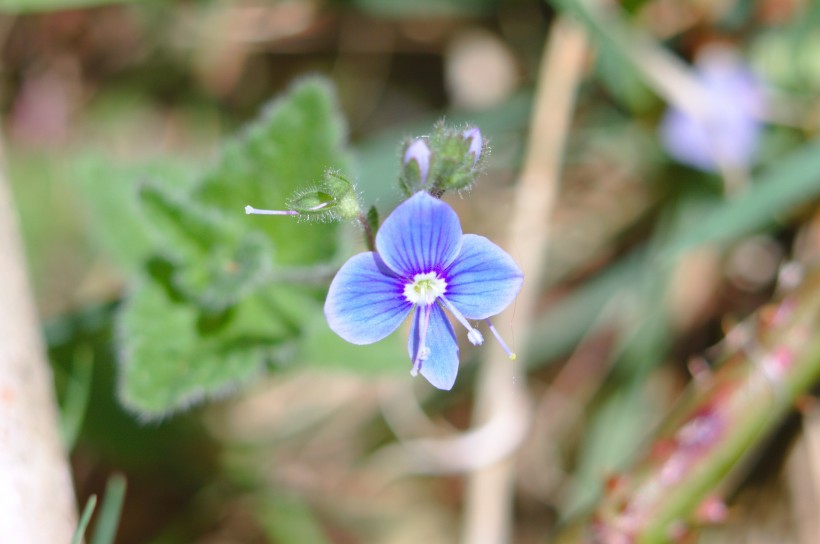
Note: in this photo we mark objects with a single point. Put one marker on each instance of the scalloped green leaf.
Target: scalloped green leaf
(216, 261)
(173, 356)
(297, 138)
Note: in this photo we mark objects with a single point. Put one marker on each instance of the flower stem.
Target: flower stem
(369, 235)
(715, 427)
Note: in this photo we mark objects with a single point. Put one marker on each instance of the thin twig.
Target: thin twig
(500, 393)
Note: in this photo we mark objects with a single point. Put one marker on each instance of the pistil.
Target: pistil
(510, 353)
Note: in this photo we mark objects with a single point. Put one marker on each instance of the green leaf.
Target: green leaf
(167, 364)
(116, 220)
(295, 141)
(228, 273)
(174, 356)
(203, 322)
(216, 262)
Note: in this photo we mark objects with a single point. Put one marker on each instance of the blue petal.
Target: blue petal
(422, 235)
(483, 280)
(441, 365)
(365, 301)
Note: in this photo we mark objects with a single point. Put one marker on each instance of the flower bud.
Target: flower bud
(343, 200)
(449, 159)
(334, 199)
(416, 162)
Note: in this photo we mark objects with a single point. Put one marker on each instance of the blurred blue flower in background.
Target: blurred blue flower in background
(729, 132)
(423, 262)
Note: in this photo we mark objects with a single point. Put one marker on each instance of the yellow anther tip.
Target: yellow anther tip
(513, 356)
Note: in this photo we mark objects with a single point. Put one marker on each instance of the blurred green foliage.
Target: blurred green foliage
(204, 300)
(26, 6)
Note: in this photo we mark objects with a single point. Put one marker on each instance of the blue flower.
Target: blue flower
(732, 125)
(424, 263)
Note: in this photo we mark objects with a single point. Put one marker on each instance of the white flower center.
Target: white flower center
(425, 289)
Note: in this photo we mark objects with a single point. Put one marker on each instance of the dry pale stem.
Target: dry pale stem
(501, 383)
(36, 497)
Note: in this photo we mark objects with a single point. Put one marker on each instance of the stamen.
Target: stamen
(422, 352)
(250, 210)
(473, 334)
(510, 353)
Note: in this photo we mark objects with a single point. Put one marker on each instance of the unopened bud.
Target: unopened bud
(334, 199)
(419, 152)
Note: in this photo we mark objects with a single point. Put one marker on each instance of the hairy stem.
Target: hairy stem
(369, 236)
(720, 421)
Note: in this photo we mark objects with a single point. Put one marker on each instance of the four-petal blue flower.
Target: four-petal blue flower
(423, 262)
(731, 128)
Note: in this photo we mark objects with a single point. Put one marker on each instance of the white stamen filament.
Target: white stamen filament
(422, 351)
(510, 353)
(473, 334)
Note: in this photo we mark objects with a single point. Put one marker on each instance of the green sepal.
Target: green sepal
(335, 199)
(452, 165)
(373, 219)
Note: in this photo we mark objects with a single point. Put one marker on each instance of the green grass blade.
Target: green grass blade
(77, 393)
(84, 519)
(109, 519)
